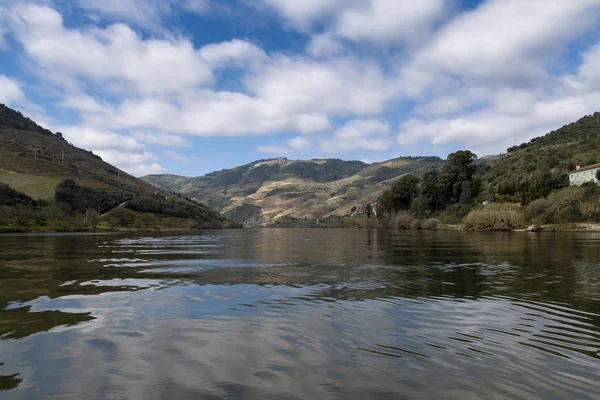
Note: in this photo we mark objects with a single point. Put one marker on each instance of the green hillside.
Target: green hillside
(36, 163)
(265, 191)
(546, 160)
(527, 186)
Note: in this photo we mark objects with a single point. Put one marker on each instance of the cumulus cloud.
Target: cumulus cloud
(138, 164)
(145, 13)
(177, 157)
(369, 134)
(91, 138)
(294, 145)
(160, 139)
(500, 42)
(398, 21)
(455, 78)
(114, 55)
(83, 102)
(341, 86)
(237, 52)
(324, 45)
(10, 91)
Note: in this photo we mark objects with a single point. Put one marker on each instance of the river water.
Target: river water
(300, 314)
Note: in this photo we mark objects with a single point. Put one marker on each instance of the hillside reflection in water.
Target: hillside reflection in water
(298, 314)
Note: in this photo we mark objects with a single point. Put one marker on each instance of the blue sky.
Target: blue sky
(192, 86)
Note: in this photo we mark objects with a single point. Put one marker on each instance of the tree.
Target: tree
(139, 223)
(93, 218)
(598, 175)
(400, 195)
(432, 191)
(459, 168)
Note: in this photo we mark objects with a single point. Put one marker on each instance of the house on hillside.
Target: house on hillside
(584, 174)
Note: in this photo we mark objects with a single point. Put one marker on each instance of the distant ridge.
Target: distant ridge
(262, 191)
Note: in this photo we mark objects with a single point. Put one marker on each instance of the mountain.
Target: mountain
(36, 162)
(555, 153)
(263, 191)
(528, 186)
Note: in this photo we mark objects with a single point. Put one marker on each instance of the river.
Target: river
(300, 314)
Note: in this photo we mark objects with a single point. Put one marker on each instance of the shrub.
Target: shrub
(538, 208)
(416, 225)
(403, 221)
(124, 217)
(139, 223)
(590, 209)
(431, 224)
(566, 196)
(495, 217)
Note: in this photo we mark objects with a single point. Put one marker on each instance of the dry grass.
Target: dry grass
(566, 196)
(590, 208)
(403, 221)
(431, 224)
(495, 217)
(538, 208)
(417, 225)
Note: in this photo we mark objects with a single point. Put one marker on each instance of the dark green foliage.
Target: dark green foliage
(10, 118)
(171, 207)
(457, 175)
(598, 175)
(75, 198)
(534, 169)
(432, 193)
(123, 217)
(327, 171)
(399, 196)
(456, 182)
(11, 198)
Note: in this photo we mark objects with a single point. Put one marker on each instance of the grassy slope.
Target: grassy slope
(34, 161)
(561, 150)
(301, 189)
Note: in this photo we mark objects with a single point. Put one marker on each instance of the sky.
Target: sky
(192, 86)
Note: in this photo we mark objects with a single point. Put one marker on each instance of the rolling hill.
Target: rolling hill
(266, 190)
(34, 161)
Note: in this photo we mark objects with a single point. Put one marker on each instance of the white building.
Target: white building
(584, 174)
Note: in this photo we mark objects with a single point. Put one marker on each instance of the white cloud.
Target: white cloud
(339, 86)
(93, 139)
(500, 42)
(588, 73)
(359, 134)
(298, 143)
(294, 145)
(137, 164)
(83, 102)
(160, 139)
(115, 55)
(484, 77)
(146, 169)
(232, 52)
(392, 21)
(324, 45)
(10, 91)
(177, 157)
(495, 128)
(146, 13)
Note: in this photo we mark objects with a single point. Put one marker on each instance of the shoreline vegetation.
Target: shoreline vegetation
(80, 209)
